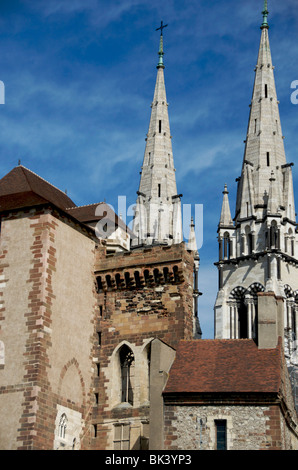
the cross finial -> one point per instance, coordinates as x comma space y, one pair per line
160, 52
162, 26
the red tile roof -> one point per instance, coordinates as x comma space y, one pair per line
22, 188
220, 366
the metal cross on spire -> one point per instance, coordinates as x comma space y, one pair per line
162, 26
160, 52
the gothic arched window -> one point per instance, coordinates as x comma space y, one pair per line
62, 426
227, 246
127, 363
249, 240
238, 314
273, 235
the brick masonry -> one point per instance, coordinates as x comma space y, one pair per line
264, 420
58, 363
135, 308
45, 370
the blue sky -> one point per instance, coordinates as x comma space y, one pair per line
79, 79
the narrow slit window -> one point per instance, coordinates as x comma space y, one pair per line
160, 127
221, 434
99, 338
255, 126
268, 159
159, 190
266, 91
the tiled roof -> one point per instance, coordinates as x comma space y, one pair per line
95, 212
221, 366
23, 188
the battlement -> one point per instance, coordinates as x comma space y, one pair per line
150, 266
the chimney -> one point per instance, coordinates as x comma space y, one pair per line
270, 319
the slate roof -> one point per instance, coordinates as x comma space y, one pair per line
22, 188
224, 366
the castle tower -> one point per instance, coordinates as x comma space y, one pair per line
258, 250
157, 217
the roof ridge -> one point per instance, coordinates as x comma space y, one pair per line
38, 176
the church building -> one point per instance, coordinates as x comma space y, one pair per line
123, 366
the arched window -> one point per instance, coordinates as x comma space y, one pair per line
127, 363
147, 277
99, 284
62, 426
137, 279
238, 313
242, 319
290, 323
109, 282
156, 275
176, 274
227, 246
291, 241
249, 240
118, 281
273, 235
253, 291
166, 274
127, 279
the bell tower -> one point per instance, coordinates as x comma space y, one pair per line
258, 249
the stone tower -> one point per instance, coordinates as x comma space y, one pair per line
157, 217
258, 249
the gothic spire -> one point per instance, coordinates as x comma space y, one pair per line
192, 242
158, 210
225, 216
264, 150
259, 254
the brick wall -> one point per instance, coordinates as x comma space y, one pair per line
133, 309
48, 325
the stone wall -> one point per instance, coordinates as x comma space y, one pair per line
248, 427
134, 309
47, 324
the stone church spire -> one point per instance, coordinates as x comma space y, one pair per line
158, 209
225, 216
259, 253
264, 150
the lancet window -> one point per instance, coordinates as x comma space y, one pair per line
244, 311
127, 365
273, 236
290, 242
62, 426
291, 313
